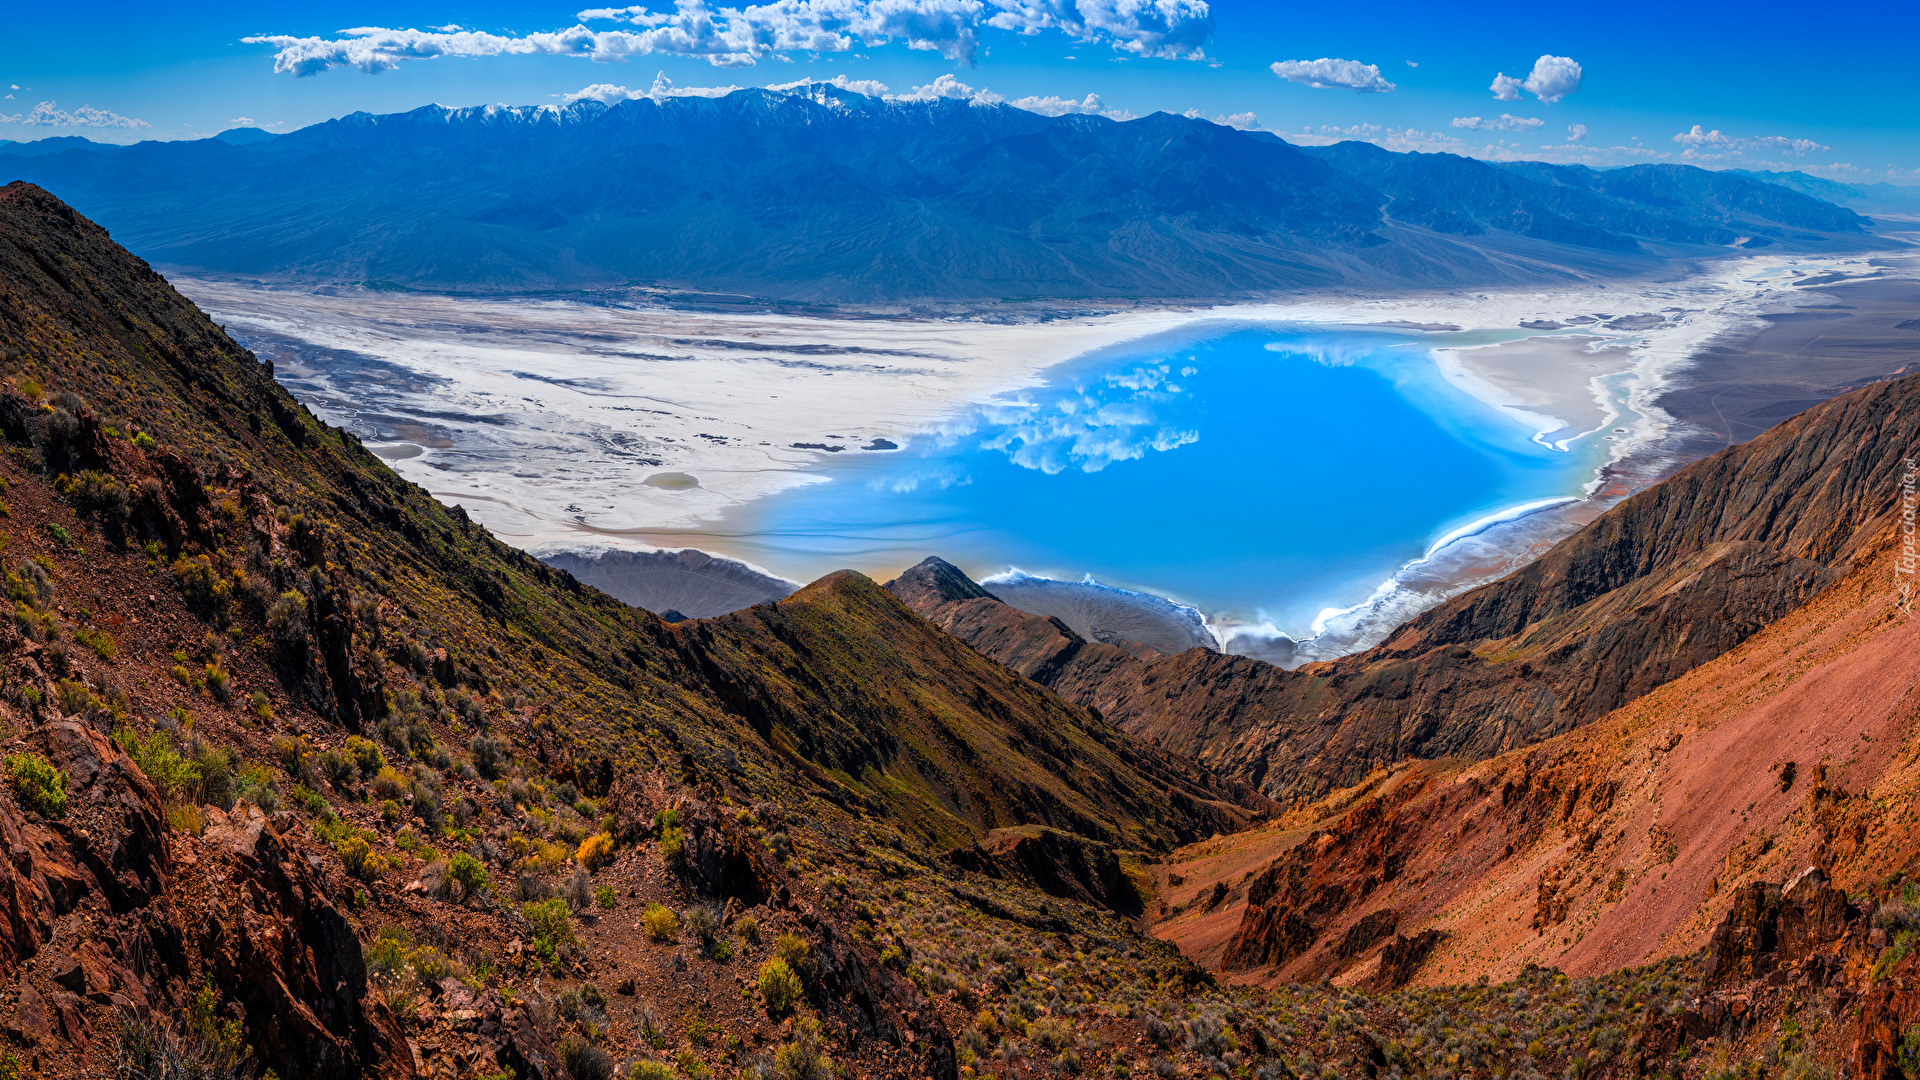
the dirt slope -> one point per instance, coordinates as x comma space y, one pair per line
1616, 844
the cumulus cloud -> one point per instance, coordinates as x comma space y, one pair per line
1434, 142
1503, 122
1059, 106
1714, 143
45, 115
1327, 73
948, 87
662, 88
1576, 132
1413, 63
1172, 29
869, 87
247, 120
1245, 121
734, 37
1553, 78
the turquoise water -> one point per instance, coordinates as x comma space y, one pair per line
1257, 473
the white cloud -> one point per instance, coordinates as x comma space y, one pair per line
1503, 122
1714, 144
1553, 78
662, 88
734, 37
1576, 132
45, 115
869, 87
1327, 73
247, 120
1413, 63
1434, 142
1245, 121
946, 86
1170, 29
1059, 106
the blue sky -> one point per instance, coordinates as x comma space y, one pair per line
1831, 90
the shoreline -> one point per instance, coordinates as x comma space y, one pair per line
882, 382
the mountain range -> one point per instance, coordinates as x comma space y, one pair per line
823, 194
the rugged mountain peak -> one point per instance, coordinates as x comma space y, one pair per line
934, 581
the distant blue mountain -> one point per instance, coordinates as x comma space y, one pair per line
828, 195
1877, 197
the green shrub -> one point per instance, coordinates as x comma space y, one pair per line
650, 1070
357, 856
662, 923
175, 776
779, 986
37, 784
605, 897
469, 872
552, 923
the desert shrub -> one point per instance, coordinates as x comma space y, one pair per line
585, 1060
199, 1045
357, 856
176, 777
388, 953
605, 897
579, 894
551, 923
98, 640
287, 620
1051, 1033
468, 872
366, 756
704, 921
388, 783
650, 1070
203, 584
596, 851
803, 1059
255, 784
792, 949
219, 682
662, 923
748, 928
426, 805
37, 784
100, 492
779, 987
1903, 943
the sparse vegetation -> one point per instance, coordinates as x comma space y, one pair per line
37, 784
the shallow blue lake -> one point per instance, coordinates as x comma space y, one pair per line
1255, 472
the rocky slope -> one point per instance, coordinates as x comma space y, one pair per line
1663, 583
1622, 842
330, 755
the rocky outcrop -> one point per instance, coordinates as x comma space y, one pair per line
1770, 929
1301, 894
1401, 959
108, 909
1055, 862
265, 929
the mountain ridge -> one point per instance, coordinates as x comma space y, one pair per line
827, 195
